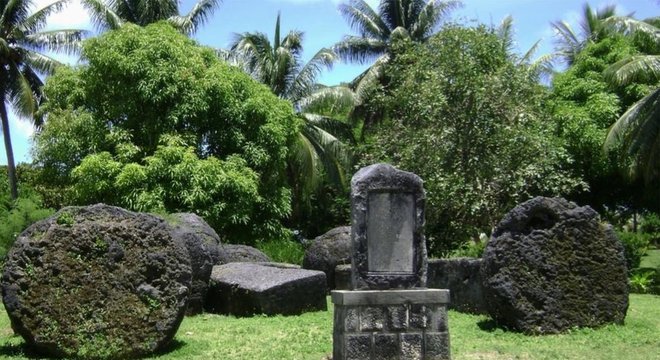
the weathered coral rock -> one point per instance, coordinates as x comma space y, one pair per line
329, 250
97, 282
551, 265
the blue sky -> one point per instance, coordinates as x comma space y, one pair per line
323, 26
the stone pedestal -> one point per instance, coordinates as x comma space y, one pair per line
391, 324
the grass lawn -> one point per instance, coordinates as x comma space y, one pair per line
472, 337
651, 259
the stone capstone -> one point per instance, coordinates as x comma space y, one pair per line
245, 289
461, 276
551, 265
97, 282
230, 253
202, 243
329, 250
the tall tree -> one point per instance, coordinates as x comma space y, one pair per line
638, 129
22, 43
318, 152
416, 20
111, 14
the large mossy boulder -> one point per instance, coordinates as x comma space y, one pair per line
97, 282
551, 265
202, 243
329, 250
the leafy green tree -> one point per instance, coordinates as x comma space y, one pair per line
587, 100
23, 42
414, 20
468, 120
318, 154
112, 14
173, 179
140, 85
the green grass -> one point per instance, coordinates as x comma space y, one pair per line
309, 336
651, 259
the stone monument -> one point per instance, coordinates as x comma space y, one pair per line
389, 313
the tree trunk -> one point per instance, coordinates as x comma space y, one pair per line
11, 166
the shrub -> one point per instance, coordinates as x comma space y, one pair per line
16, 217
635, 246
651, 225
284, 251
641, 282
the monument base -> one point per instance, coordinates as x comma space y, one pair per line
391, 324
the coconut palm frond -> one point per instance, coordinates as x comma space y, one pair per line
40, 62
305, 79
37, 20
506, 34
634, 68
333, 127
430, 15
335, 97
20, 92
365, 20
59, 41
102, 15
637, 131
360, 50
198, 16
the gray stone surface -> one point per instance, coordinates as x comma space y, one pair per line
202, 244
551, 265
342, 276
97, 281
328, 251
387, 229
230, 253
462, 277
244, 289
391, 297
409, 329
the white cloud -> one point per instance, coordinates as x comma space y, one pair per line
73, 16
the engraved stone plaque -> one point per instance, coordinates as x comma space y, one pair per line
390, 226
387, 229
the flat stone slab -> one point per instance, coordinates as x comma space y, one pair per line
245, 289
390, 297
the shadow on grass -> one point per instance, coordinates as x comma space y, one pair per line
24, 351
488, 325
174, 345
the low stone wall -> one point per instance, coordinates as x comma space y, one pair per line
461, 276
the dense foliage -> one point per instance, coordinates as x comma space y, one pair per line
155, 122
17, 215
470, 123
584, 106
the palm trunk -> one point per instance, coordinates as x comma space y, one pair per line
11, 166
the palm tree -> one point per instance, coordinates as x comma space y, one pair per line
638, 129
570, 43
111, 14
22, 43
279, 65
541, 67
415, 20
